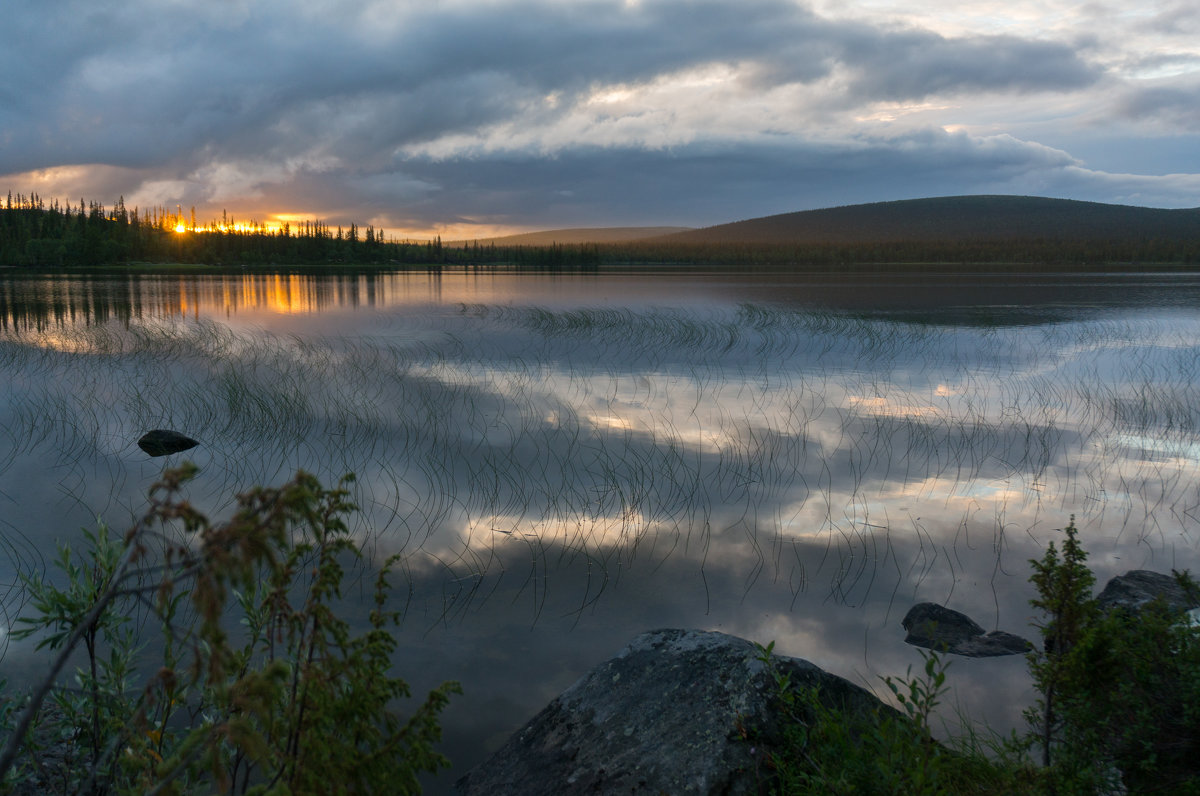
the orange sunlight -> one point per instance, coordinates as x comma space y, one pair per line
294, 221
238, 226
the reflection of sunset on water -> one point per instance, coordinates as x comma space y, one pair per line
67, 300
549, 450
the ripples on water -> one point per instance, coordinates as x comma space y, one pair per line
565, 462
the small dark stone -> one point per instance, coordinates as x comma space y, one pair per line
162, 442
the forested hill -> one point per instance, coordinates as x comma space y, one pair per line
952, 231
957, 219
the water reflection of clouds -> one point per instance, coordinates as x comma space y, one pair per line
992, 442
533, 624
762, 470
730, 424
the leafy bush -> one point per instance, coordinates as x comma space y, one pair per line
292, 701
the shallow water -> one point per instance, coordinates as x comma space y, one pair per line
568, 459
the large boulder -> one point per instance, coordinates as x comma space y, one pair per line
937, 627
676, 711
1139, 587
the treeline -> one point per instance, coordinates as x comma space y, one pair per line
1053, 252
36, 234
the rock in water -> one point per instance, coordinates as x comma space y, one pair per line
161, 442
1137, 588
931, 625
992, 644
936, 627
676, 711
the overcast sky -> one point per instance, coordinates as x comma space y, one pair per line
469, 117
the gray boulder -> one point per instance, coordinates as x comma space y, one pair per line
676, 711
162, 442
937, 627
1136, 588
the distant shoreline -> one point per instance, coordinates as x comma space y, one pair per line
649, 267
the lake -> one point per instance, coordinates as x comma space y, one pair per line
567, 459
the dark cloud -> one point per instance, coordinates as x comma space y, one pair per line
114, 86
267, 107
699, 183
688, 185
1176, 102
916, 65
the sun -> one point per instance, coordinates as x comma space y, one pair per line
180, 228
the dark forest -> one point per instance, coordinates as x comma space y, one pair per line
40, 235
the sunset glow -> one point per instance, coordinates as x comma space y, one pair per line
270, 227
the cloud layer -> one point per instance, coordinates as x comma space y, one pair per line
468, 116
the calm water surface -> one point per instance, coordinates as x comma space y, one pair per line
567, 460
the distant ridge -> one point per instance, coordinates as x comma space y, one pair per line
576, 235
956, 219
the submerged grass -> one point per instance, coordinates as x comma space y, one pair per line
624, 434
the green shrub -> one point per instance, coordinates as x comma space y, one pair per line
1119, 692
294, 700
1064, 595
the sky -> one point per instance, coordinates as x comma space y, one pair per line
468, 118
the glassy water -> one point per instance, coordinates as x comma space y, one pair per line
566, 460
